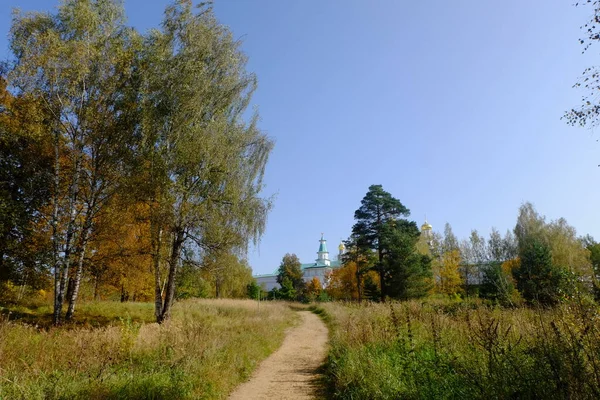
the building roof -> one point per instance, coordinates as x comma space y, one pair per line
333, 264
323, 245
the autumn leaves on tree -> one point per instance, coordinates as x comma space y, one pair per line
147, 159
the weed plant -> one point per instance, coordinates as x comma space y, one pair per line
452, 350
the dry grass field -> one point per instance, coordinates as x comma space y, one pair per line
207, 348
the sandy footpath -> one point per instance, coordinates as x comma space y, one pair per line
291, 371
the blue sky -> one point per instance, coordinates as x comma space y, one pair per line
454, 107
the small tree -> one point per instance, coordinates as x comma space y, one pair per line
538, 279
409, 272
253, 290
313, 289
449, 277
372, 228
290, 277
498, 282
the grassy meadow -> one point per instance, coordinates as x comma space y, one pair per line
207, 348
453, 350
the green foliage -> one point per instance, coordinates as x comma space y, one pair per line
594, 249
379, 230
190, 283
204, 161
287, 290
25, 174
158, 121
497, 284
290, 277
371, 289
538, 279
323, 296
410, 272
253, 290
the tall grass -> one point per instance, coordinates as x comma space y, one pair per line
207, 348
442, 350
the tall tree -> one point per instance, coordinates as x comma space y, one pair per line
449, 279
290, 270
530, 224
359, 260
81, 62
373, 228
473, 252
450, 242
204, 162
538, 279
409, 271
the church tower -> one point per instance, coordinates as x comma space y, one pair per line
426, 231
341, 250
323, 254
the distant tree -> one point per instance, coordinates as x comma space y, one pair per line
190, 283
495, 250
450, 242
530, 225
409, 271
498, 282
594, 248
510, 249
313, 289
225, 273
538, 280
360, 261
290, 277
569, 259
567, 249
119, 252
253, 290
473, 252
371, 287
344, 283
449, 279
373, 228
287, 290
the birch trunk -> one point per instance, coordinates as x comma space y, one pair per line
178, 239
158, 301
79, 273
55, 239
68, 242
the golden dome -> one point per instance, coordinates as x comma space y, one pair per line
341, 247
426, 226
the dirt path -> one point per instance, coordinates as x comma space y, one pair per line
290, 372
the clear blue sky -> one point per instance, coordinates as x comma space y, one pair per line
454, 107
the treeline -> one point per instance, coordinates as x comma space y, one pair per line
541, 262
129, 165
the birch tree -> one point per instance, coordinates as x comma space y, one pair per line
204, 160
81, 63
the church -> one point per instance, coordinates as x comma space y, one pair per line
320, 268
